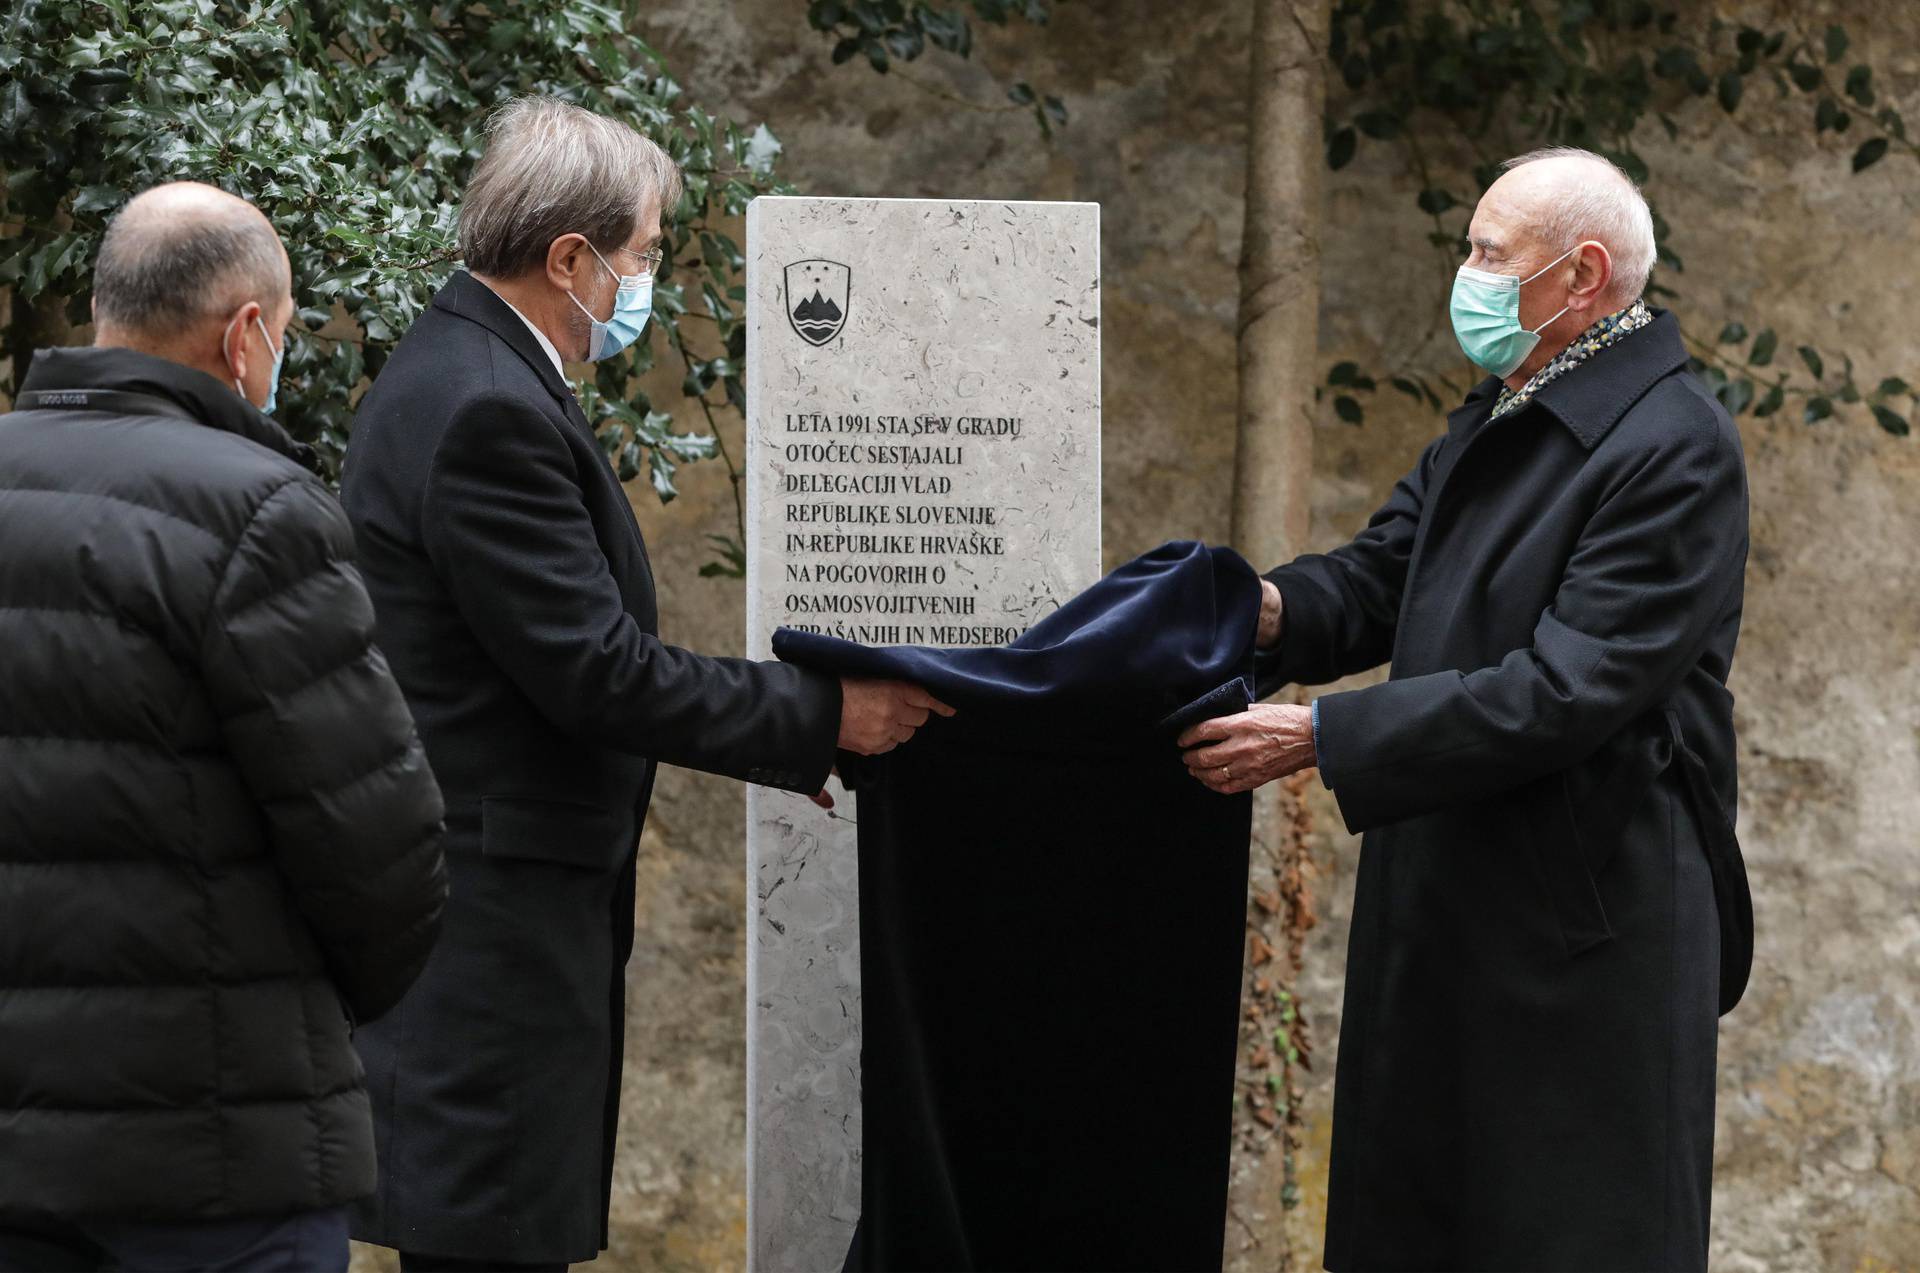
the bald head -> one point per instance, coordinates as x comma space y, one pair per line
1550, 201
182, 253
1576, 233
191, 274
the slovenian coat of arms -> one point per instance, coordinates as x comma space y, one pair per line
817, 296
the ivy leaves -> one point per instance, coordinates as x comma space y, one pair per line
1348, 383
353, 125
1738, 376
884, 32
1797, 61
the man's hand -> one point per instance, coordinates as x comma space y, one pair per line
1251, 748
1268, 630
877, 716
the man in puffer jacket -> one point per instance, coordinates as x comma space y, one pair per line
219, 836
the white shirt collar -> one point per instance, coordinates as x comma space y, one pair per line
538, 335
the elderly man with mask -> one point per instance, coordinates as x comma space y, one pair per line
1550, 910
516, 601
219, 838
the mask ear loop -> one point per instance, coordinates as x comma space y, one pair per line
1537, 273
616, 284
237, 388
1542, 270
1550, 322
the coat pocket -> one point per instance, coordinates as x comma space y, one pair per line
1549, 833
1575, 822
559, 831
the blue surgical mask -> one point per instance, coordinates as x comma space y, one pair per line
1486, 317
632, 306
273, 377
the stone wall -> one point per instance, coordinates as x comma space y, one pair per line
1818, 1147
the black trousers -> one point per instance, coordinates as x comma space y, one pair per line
305, 1242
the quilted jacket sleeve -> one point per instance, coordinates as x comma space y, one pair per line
325, 743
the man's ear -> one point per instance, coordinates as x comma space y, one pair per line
564, 260
1592, 275
233, 337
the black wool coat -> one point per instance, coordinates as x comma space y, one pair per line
1052, 914
218, 831
516, 603
1549, 911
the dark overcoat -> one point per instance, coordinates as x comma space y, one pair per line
516, 604
1549, 911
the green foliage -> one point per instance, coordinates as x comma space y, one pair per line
888, 31
1738, 378
353, 125
1507, 76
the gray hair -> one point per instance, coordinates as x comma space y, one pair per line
182, 253
1608, 208
550, 169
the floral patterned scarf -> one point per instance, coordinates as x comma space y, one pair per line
1585, 346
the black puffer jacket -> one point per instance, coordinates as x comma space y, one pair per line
218, 833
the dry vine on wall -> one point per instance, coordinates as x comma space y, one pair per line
1276, 1038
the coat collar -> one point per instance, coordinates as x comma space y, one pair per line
1590, 399
130, 371
1475, 408
473, 300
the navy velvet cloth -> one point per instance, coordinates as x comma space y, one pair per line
1051, 916
1158, 635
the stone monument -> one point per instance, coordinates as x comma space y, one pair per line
923, 468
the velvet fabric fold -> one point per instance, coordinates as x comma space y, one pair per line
1051, 915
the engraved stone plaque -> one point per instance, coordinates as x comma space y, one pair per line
923, 468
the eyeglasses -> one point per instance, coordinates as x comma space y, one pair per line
650, 259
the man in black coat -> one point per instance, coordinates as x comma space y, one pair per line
1550, 910
218, 831
515, 599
